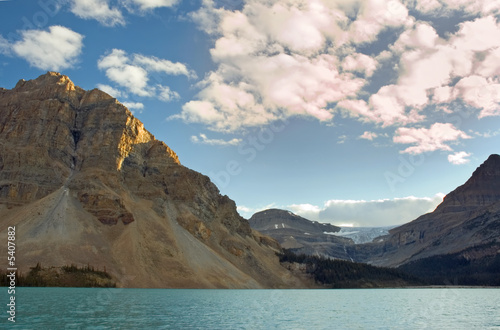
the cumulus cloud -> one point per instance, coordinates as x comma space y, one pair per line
145, 5
202, 138
374, 213
166, 94
428, 139
110, 90
360, 63
98, 10
55, 49
275, 61
4, 46
133, 106
155, 64
132, 72
368, 136
459, 158
374, 16
480, 93
446, 7
108, 15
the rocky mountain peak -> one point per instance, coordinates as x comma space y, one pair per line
84, 182
482, 189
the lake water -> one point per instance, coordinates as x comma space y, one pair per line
87, 308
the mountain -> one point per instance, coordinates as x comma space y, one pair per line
464, 229
83, 182
300, 234
457, 243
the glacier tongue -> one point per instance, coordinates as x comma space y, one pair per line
362, 235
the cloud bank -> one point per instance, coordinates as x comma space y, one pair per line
374, 213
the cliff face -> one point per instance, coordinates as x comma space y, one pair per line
468, 217
84, 182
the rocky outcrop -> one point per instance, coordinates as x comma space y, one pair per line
84, 182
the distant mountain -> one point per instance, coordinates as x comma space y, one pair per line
274, 219
464, 228
300, 234
83, 182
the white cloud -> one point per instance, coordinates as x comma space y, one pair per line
98, 10
308, 211
445, 7
5, 47
459, 158
479, 35
145, 5
373, 213
132, 73
360, 63
202, 138
132, 106
490, 67
342, 139
481, 93
488, 134
166, 94
369, 136
375, 16
161, 65
55, 49
247, 212
110, 90
132, 77
430, 139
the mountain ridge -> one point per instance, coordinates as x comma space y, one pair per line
300, 234
468, 216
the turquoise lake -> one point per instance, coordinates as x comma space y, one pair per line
88, 308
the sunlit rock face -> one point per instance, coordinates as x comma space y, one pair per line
85, 183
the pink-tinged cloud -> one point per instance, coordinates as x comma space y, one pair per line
459, 158
481, 93
428, 139
289, 58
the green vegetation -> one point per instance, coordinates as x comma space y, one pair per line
459, 268
66, 276
336, 273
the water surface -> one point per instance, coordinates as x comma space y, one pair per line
89, 308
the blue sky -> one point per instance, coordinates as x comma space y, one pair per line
349, 112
